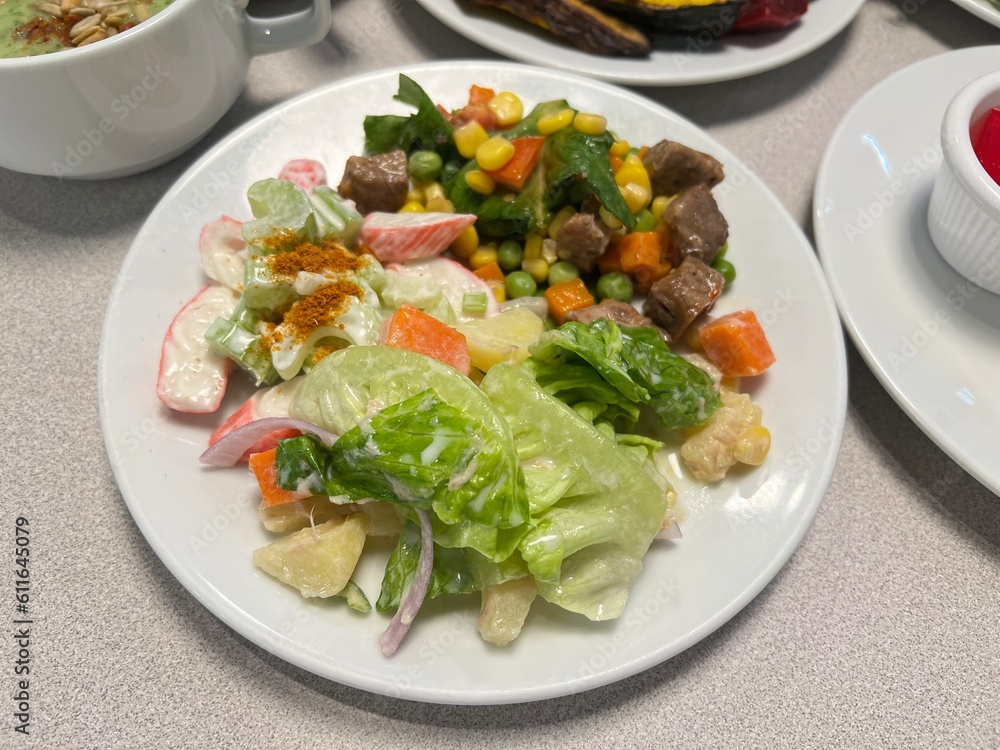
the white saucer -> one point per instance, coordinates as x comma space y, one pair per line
931, 337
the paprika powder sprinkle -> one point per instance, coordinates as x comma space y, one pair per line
320, 309
328, 257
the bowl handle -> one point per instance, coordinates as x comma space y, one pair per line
266, 35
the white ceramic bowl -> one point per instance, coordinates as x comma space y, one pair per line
964, 213
137, 99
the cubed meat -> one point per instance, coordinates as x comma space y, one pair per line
674, 167
682, 295
376, 183
695, 225
621, 313
581, 240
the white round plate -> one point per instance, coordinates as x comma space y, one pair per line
674, 61
203, 523
931, 337
982, 8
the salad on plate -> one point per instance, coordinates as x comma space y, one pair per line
489, 343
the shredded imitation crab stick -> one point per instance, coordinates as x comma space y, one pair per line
192, 377
223, 252
397, 237
306, 173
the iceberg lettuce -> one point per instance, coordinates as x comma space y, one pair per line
594, 508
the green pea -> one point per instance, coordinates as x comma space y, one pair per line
520, 284
425, 166
722, 252
727, 269
509, 255
644, 221
562, 272
616, 286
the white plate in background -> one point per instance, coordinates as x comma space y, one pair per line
982, 8
674, 61
203, 523
931, 337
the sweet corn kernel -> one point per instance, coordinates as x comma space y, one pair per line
442, 205
507, 108
536, 268
412, 207
753, 446
416, 195
466, 243
636, 196
590, 124
549, 251
609, 218
483, 256
433, 190
499, 290
659, 205
479, 181
494, 152
555, 122
559, 219
469, 137
533, 247
632, 170
620, 149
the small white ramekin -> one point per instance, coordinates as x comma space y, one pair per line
964, 213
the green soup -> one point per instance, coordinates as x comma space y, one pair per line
34, 27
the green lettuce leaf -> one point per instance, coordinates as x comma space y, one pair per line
427, 129
588, 534
634, 362
420, 452
680, 393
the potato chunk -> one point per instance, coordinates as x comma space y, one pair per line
505, 607
317, 561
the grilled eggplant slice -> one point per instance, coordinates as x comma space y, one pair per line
579, 23
676, 16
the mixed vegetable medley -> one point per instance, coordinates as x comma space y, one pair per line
449, 353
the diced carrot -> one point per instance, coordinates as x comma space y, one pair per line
737, 345
480, 95
642, 152
477, 109
640, 259
264, 470
415, 330
611, 261
566, 297
616, 163
515, 173
446, 113
490, 272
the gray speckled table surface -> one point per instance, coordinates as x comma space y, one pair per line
881, 630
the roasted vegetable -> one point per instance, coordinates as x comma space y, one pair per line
579, 23
676, 16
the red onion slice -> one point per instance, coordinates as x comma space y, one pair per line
408, 608
671, 531
229, 449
